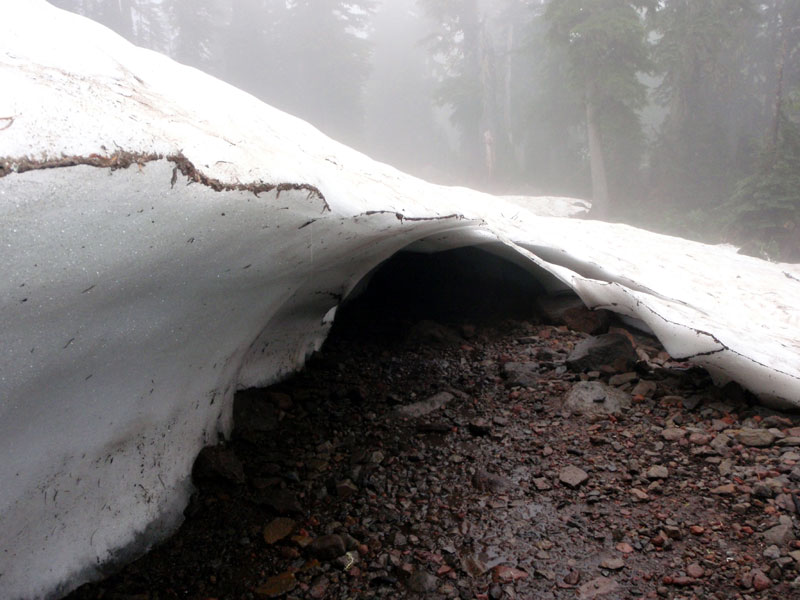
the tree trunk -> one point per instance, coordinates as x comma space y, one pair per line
508, 123
597, 163
778, 101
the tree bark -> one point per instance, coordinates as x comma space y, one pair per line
597, 163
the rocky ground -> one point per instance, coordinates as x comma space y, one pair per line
488, 458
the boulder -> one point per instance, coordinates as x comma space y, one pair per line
608, 352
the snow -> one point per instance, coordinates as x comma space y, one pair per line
133, 306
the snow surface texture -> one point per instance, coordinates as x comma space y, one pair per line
144, 280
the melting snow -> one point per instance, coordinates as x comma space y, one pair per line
146, 283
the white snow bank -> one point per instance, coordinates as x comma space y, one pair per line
140, 289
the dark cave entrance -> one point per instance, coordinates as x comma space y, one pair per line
451, 287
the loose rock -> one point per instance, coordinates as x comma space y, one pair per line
572, 476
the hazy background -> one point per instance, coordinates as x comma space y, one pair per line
680, 116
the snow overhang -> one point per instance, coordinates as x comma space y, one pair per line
168, 239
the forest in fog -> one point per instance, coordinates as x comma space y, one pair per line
680, 116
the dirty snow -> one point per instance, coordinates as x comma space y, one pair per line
136, 300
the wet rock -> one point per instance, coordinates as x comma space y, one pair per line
612, 564
319, 588
422, 582
695, 570
523, 374
572, 578
580, 318
217, 462
622, 379
277, 529
762, 490
553, 307
610, 351
781, 534
346, 488
398, 540
599, 587
473, 566
720, 443
644, 388
490, 482
479, 427
758, 438
657, 472
727, 489
595, 398
572, 476
787, 503
282, 501
327, 547
672, 434
760, 581
277, 586
424, 407
506, 574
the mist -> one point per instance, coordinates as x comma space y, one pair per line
678, 117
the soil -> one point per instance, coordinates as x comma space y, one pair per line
408, 459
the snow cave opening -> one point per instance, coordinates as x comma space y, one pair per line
450, 287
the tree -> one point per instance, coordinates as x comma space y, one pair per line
472, 46
401, 123
765, 208
709, 92
454, 46
605, 47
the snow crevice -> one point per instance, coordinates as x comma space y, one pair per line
124, 160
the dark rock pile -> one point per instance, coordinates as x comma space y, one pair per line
508, 459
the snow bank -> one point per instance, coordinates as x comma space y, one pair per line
167, 239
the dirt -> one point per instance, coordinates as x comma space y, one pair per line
125, 160
490, 490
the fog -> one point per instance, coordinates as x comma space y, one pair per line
673, 116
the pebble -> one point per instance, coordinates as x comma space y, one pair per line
673, 433
277, 529
760, 581
572, 476
657, 472
422, 582
727, 489
599, 587
782, 533
277, 586
327, 547
612, 564
757, 438
424, 407
695, 570
443, 505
